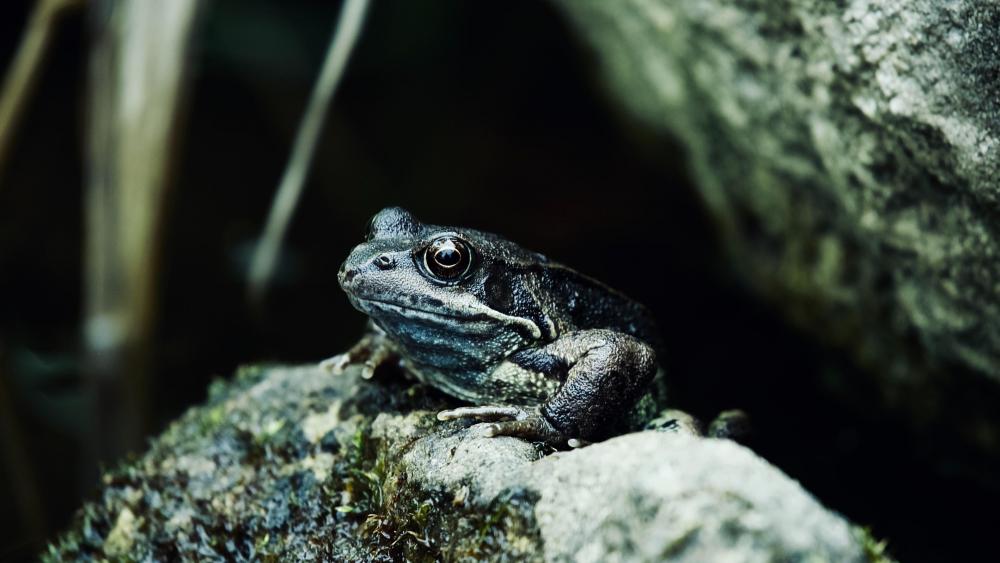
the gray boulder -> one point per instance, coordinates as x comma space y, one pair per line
296, 464
849, 153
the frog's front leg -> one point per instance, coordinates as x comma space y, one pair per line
371, 351
604, 374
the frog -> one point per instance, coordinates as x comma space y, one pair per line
538, 350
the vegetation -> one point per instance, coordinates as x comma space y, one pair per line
240, 480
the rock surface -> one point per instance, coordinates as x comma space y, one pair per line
849, 152
296, 464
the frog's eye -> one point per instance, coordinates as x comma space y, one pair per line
448, 258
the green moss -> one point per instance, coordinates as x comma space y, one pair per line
84, 540
876, 551
235, 479
396, 523
249, 375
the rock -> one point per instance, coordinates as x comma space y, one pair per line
297, 464
849, 153
686, 498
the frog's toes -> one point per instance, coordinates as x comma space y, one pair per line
517, 422
488, 413
368, 369
371, 349
336, 364
376, 357
673, 420
533, 428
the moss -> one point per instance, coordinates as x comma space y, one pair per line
84, 540
876, 551
249, 375
238, 479
397, 523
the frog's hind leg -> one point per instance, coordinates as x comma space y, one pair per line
604, 374
608, 373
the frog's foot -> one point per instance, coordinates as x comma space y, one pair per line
485, 414
528, 424
371, 350
732, 424
336, 364
673, 420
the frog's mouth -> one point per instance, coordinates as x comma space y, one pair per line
472, 322
369, 305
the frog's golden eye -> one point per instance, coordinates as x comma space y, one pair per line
448, 258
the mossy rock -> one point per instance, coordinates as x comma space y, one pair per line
297, 464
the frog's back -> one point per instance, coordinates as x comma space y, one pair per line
556, 298
579, 302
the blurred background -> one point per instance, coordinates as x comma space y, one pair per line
123, 271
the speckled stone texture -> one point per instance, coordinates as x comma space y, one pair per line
294, 464
850, 155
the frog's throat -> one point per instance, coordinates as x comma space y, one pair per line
366, 303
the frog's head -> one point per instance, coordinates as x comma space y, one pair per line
428, 285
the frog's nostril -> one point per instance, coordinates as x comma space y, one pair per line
384, 262
348, 275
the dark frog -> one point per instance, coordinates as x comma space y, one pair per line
545, 352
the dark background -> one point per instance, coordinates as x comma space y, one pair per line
489, 115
